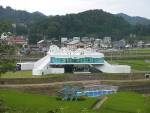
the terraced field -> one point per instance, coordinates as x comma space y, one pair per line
19, 102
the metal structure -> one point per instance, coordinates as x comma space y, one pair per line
71, 93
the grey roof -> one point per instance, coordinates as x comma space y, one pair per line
74, 42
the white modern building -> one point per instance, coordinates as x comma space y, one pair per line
64, 60
64, 39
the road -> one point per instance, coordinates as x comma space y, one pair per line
84, 82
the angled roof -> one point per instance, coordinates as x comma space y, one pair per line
65, 52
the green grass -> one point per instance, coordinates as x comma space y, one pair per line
18, 74
117, 103
126, 103
28, 74
136, 65
29, 103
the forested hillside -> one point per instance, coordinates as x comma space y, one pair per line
95, 23
134, 20
92, 23
19, 16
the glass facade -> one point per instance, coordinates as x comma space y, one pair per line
75, 60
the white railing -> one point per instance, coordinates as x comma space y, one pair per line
42, 62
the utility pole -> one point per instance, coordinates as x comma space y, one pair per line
111, 56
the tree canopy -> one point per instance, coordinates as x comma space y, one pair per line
7, 63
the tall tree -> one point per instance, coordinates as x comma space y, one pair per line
7, 63
5, 27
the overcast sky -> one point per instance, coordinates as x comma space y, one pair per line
61, 7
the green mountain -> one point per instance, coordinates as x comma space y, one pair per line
95, 23
19, 16
92, 23
134, 20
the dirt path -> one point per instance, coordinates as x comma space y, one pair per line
84, 82
100, 103
50, 84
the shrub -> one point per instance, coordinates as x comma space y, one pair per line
3, 107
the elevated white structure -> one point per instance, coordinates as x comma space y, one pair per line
108, 68
61, 60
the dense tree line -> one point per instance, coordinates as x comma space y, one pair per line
5, 27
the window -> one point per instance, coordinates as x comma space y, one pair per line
77, 60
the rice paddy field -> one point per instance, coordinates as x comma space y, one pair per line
18, 74
130, 52
28, 74
136, 65
141, 51
19, 102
